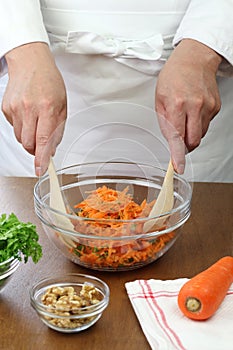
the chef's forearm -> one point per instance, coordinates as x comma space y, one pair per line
194, 52
21, 22
209, 22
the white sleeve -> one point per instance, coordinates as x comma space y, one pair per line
21, 22
211, 23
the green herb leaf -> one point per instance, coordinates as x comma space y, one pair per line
18, 239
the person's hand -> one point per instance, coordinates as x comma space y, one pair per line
35, 101
187, 97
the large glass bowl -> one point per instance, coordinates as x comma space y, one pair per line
106, 244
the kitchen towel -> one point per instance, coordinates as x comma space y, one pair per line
166, 328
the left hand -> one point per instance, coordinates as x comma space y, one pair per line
35, 101
187, 97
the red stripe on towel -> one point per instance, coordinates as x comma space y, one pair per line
172, 336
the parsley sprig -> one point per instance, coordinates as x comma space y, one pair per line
18, 239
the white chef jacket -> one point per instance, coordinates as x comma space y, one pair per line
110, 53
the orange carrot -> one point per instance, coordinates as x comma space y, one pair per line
201, 296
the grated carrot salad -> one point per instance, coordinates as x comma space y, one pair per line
107, 203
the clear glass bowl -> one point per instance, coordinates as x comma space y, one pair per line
7, 268
92, 243
56, 301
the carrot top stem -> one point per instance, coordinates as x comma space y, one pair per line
193, 304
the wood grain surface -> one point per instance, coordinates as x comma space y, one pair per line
207, 236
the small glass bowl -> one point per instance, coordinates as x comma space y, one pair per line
57, 301
7, 268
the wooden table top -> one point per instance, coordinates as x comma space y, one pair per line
206, 236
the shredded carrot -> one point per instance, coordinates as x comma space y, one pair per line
106, 203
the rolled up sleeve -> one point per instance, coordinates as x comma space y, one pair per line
21, 22
210, 22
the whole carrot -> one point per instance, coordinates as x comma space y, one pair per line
200, 297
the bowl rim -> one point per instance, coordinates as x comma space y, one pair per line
90, 310
14, 264
7, 261
45, 177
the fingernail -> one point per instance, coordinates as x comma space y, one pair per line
180, 169
40, 171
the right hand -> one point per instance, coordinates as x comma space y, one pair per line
35, 101
187, 97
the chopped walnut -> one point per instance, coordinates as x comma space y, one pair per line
64, 301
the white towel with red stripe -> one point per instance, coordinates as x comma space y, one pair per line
166, 328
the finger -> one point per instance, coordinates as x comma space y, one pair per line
17, 126
47, 140
209, 114
175, 140
28, 134
6, 111
197, 124
23, 121
17, 130
14, 121
193, 132
178, 151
